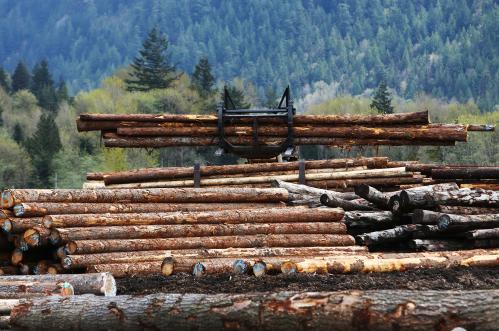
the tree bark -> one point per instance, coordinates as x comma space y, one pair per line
130, 245
390, 235
195, 230
17, 225
32, 209
372, 195
379, 182
465, 197
20, 288
96, 283
236, 216
483, 234
433, 245
467, 222
85, 260
369, 218
463, 210
16, 196
310, 191
421, 216
349, 310
153, 174
335, 202
466, 173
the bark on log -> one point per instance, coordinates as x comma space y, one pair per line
96, 283
40, 287
481, 127
379, 182
368, 218
372, 195
16, 196
481, 185
130, 245
195, 230
421, 216
17, 225
310, 191
432, 245
389, 119
237, 216
349, 310
463, 210
31, 209
465, 197
483, 234
390, 235
421, 197
85, 260
467, 222
153, 174
466, 173
335, 202
36, 236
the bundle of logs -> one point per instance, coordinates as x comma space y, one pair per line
436, 217
170, 130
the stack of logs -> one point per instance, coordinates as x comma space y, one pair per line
427, 218
170, 130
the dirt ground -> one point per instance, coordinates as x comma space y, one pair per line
445, 279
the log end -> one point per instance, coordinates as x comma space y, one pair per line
66, 289
198, 270
395, 205
32, 237
54, 237
24, 269
71, 248
167, 266
7, 200
240, 267
6, 225
19, 210
108, 285
289, 267
61, 253
67, 262
443, 222
324, 199
16, 257
259, 269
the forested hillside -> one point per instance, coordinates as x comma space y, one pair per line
445, 48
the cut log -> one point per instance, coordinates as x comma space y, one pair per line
421, 197
465, 197
463, 210
195, 230
335, 202
278, 215
36, 236
467, 222
350, 310
378, 182
31, 209
433, 245
310, 191
40, 287
421, 216
390, 235
154, 174
85, 260
369, 218
19, 225
372, 195
466, 173
16, 196
483, 234
96, 283
130, 245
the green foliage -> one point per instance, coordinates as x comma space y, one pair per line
271, 98
202, 78
15, 166
20, 108
42, 148
18, 134
21, 78
382, 100
237, 97
152, 68
4, 80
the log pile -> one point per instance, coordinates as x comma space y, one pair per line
171, 130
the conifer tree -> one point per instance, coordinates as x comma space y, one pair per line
43, 147
43, 86
202, 78
270, 98
18, 134
237, 97
21, 78
382, 100
152, 68
62, 90
4, 83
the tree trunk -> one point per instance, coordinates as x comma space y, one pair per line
421, 216
195, 230
467, 222
483, 234
466, 173
237, 216
334, 202
85, 260
463, 210
17, 225
130, 245
450, 244
372, 195
153, 174
31, 209
97, 283
16, 196
390, 235
310, 191
23, 288
349, 310
369, 218
36, 236
465, 197
379, 182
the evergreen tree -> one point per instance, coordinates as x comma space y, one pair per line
62, 91
202, 78
18, 134
270, 98
382, 101
21, 78
4, 83
43, 86
237, 97
43, 147
1, 117
152, 68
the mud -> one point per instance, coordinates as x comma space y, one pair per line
445, 279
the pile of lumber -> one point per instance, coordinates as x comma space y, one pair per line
436, 217
171, 130
335, 174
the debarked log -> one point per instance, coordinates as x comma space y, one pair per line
130, 245
350, 310
25, 288
31, 209
16, 196
237, 216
